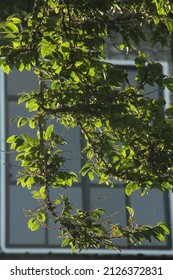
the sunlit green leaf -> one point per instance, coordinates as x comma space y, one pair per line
33, 224
41, 217
131, 187
21, 122
65, 242
49, 131
57, 201
130, 211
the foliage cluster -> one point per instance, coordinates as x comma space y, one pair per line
127, 135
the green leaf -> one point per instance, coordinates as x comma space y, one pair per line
12, 139
32, 105
45, 50
92, 72
158, 234
57, 201
49, 132
65, 47
16, 45
32, 123
35, 194
11, 27
72, 247
68, 182
73, 176
74, 77
91, 175
65, 242
103, 178
23, 97
160, 7
28, 139
42, 192
98, 123
16, 20
29, 182
131, 187
101, 211
33, 224
117, 230
22, 121
130, 211
85, 169
28, 66
21, 67
40, 15
22, 147
166, 185
6, 68
164, 227
41, 216
90, 154
122, 46
156, 19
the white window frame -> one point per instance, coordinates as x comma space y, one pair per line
2, 157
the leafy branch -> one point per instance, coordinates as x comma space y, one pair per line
127, 136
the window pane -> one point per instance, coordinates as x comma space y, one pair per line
18, 231
18, 82
149, 210
113, 201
